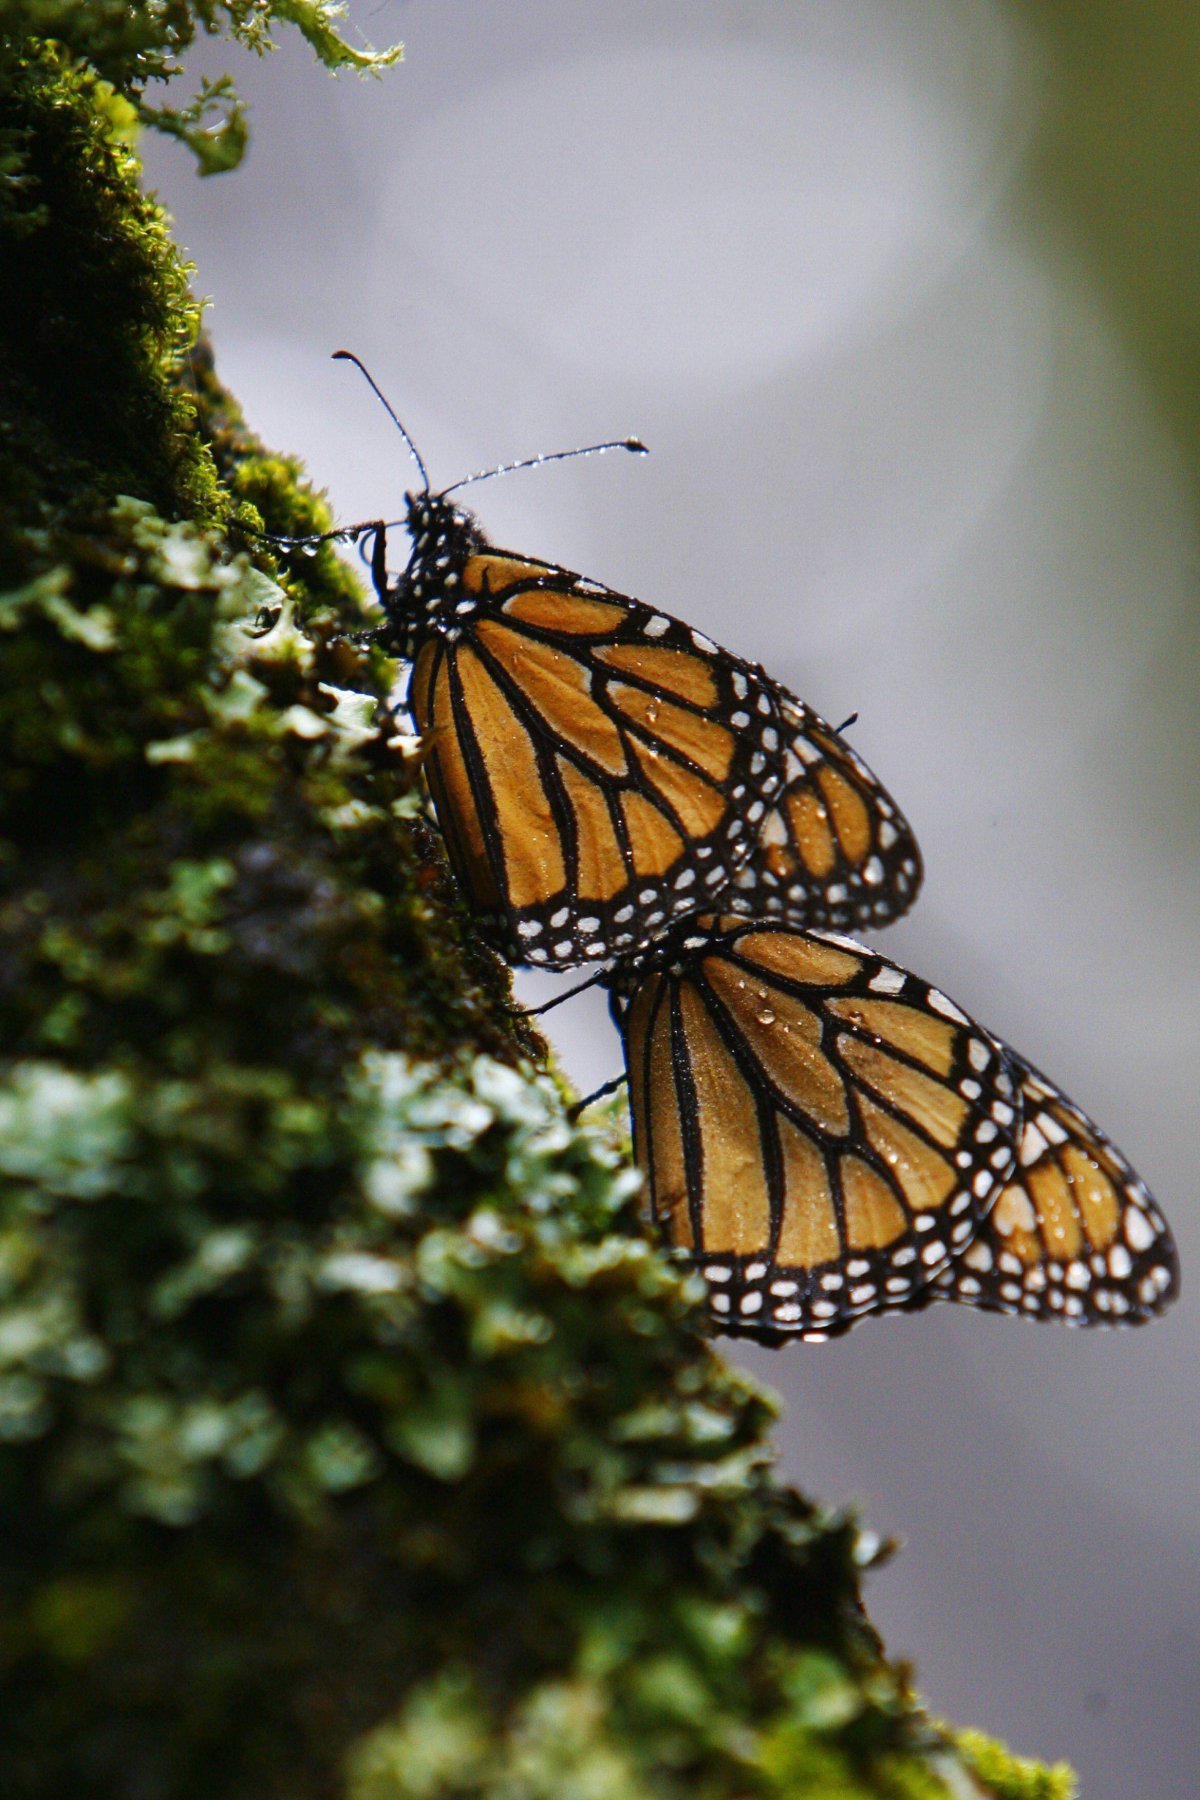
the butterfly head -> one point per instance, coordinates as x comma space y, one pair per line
429, 594
442, 533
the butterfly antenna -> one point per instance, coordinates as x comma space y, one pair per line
532, 462
349, 356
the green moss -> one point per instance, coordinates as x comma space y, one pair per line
133, 47
354, 1437
1012, 1777
208, 822
89, 411
104, 409
271, 493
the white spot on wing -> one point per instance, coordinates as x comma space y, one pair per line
946, 1007
1033, 1144
888, 981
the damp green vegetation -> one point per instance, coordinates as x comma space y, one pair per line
354, 1438
137, 52
1011, 1777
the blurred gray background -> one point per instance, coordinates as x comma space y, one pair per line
899, 294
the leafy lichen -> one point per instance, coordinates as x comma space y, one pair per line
354, 1438
210, 825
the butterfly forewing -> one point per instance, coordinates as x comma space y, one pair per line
835, 851
821, 1131
1074, 1234
599, 769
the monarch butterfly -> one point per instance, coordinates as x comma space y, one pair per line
600, 769
828, 1136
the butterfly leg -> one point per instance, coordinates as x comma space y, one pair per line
351, 534
378, 563
535, 1012
354, 534
610, 1087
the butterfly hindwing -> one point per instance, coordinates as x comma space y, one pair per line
1074, 1234
821, 1131
834, 852
599, 769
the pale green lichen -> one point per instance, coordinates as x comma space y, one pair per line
470, 1364
586, 1735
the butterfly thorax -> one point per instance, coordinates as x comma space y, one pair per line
429, 596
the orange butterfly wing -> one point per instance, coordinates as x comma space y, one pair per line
1074, 1234
835, 852
598, 768
821, 1132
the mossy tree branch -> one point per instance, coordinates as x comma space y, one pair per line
354, 1438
